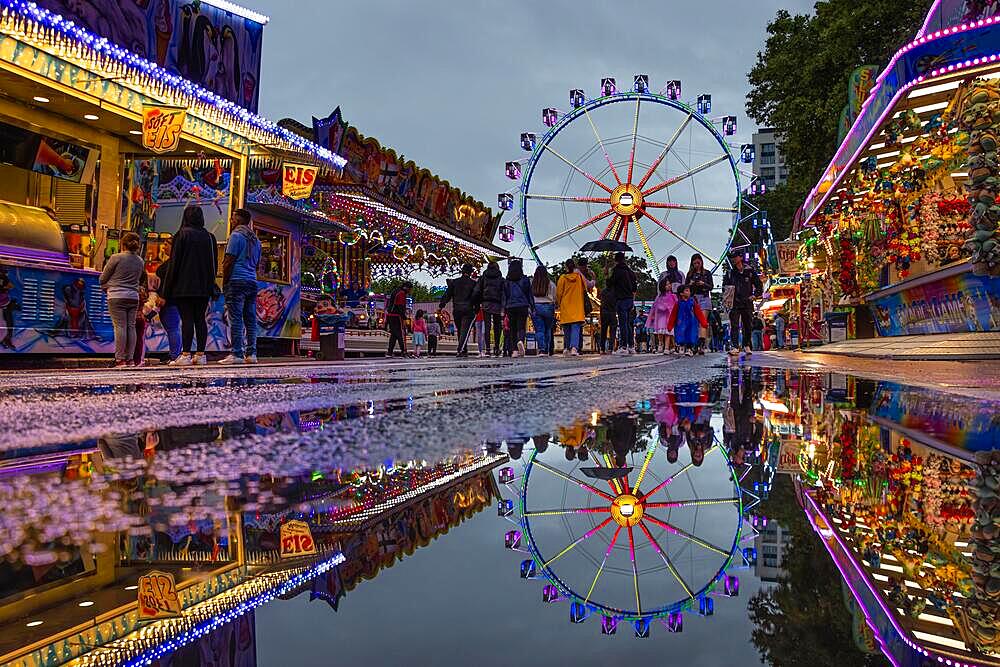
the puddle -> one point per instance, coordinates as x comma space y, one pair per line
723, 521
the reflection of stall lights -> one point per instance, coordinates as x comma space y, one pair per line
40, 99
773, 407
33, 624
594, 416
90, 116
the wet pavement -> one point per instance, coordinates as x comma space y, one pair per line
490, 512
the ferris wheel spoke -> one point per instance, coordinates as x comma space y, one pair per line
588, 200
677, 474
645, 246
570, 478
607, 554
666, 560
601, 144
613, 226
567, 232
611, 482
687, 174
666, 149
680, 532
691, 207
576, 168
695, 503
650, 450
635, 135
635, 570
590, 533
677, 236
578, 510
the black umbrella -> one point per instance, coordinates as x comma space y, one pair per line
605, 245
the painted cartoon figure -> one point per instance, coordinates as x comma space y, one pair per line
7, 306
75, 321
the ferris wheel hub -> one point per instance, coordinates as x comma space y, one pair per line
626, 509
626, 200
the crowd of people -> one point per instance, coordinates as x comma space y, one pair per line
180, 290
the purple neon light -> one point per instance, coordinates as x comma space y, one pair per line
864, 577
878, 84
927, 21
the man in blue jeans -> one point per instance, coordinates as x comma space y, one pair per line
239, 283
622, 283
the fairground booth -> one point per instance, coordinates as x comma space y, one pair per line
900, 234
379, 217
114, 117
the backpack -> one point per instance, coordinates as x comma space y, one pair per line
493, 290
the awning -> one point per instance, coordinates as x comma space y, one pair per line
772, 306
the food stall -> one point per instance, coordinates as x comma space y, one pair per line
905, 216
96, 141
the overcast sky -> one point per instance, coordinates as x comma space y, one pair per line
452, 84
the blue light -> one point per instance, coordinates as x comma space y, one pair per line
728, 124
528, 141
505, 201
640, 83
704, 105
576, 98
747, 153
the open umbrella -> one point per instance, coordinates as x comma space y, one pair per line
605, 245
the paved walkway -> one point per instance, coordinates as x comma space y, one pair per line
934, 347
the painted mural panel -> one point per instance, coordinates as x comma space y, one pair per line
960, 303
207, 45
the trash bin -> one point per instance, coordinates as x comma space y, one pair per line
332, 337
836, 326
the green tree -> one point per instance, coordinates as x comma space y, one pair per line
420, 292
799, 83
601, 265
802, 622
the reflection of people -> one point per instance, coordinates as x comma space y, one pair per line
7, 306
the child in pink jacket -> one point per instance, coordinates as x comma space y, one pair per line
659, 316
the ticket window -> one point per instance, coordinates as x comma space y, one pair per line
275, 255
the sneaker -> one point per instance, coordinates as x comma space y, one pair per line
520, 349
252, 359
748, 350
689, 353
515, 354
665, 353
631, 350
621, 351
566, 353
199, 359
574, 353
482, 355
183, 360
119, 364
231, 360
735, 352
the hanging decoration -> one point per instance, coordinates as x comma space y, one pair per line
980, 116
162, 127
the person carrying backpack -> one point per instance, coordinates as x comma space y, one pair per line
490, 295
519, 303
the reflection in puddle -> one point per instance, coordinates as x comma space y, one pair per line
790, 509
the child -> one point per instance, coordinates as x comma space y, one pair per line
658, 320
685, 320
419, 332
433, 332
147, 310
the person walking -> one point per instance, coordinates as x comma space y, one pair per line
686, 319
779, 330
673, 274
569, 300
122, 278
419, 332
239, 284
757, 333
190, 283
609, 320
490, 293
519, 300
461, 292
481, 340
658, 320
543, 290
433, 333
395, 314
700, 280
746, 285
623, 283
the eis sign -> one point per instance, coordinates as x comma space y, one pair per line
297, 180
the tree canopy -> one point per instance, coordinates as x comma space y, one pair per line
420, 292
799, 83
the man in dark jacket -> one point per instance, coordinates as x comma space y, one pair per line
461, 293
746, 287
623, 284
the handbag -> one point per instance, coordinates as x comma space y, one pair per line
728, 296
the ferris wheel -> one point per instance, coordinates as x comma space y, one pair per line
635, 166
639, 539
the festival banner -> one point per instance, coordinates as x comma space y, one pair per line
953, 304
297, 180
296, 540
162, 127
158, 596
788, 259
